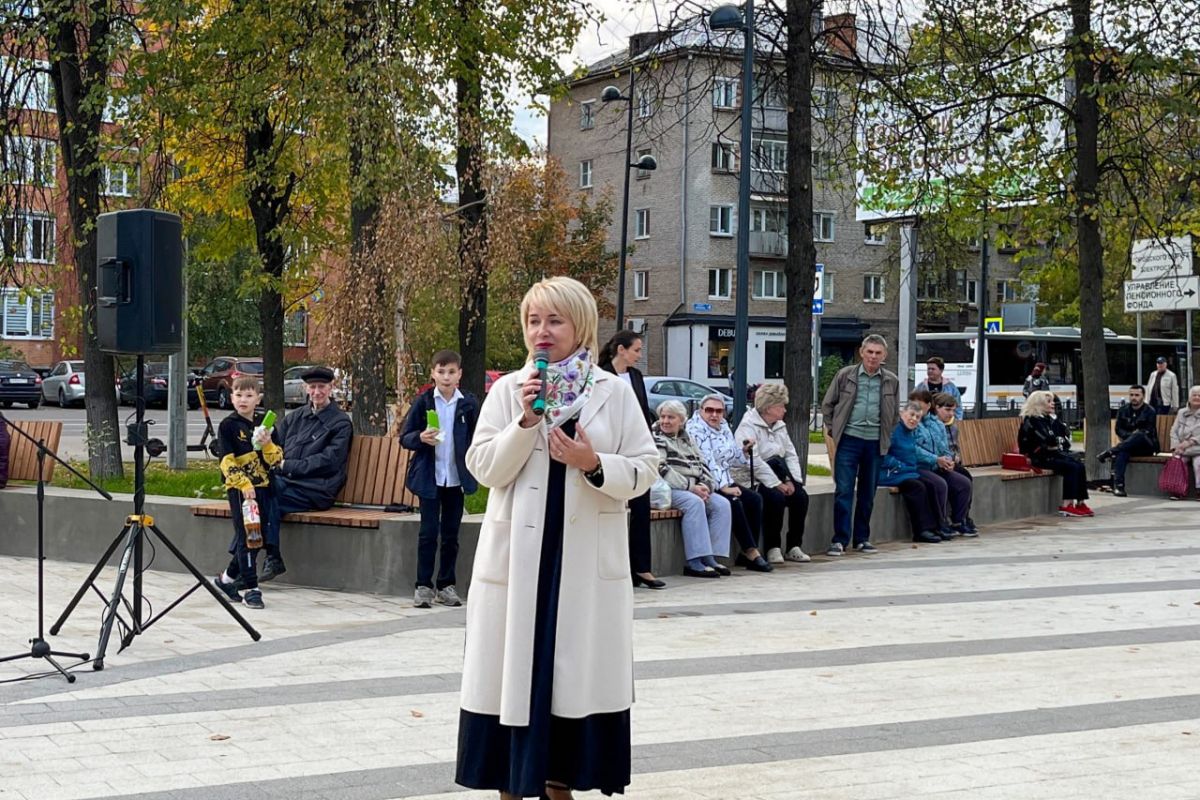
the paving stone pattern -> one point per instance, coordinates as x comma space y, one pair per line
1049, 658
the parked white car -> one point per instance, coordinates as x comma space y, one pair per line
65, 384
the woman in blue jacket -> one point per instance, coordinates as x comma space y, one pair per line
935, 462
899, 468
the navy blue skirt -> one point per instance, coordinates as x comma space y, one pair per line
586, 754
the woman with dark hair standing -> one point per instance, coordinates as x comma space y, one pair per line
618, 356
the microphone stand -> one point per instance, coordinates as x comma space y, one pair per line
40, 648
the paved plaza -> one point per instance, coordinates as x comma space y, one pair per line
1055, 659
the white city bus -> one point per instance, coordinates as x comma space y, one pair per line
1011, 355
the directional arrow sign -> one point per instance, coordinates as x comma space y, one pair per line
1157, 258
1167, 294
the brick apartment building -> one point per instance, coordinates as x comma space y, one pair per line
683, 216
39, 293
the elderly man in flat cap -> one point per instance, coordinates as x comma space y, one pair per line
316, 452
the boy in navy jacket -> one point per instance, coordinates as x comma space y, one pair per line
437, 473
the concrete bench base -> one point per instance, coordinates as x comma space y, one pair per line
79, 526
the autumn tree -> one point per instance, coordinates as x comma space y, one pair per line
486, 50
1055, 111
244, 102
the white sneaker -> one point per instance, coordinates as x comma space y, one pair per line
796, 554
423, 597
774, 556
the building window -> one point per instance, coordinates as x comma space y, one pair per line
770, 285
875, 233
725, 92
723, 157
770, 155
641, 227
27, 315
822, 226
585, 174
27, 84
827, 287
872, 288
773, 359
718, 284
295, 329
822, 165
29, 237
824, 103
929, 288
973, 243
645, 105
641, 284
587, 115
30, 161
768, 219
120, 180
642, 174
769, 92
720, 220
970, 294
1007, 291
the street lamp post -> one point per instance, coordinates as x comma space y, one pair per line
609, 95
728, 17
982, 291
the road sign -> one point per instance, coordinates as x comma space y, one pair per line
1160, 258
819, 291
993, 324
1166, 294
701, 306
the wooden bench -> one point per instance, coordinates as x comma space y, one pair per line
983, 442
1164, 423
375, 479
22, 453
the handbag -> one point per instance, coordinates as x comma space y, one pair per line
1173, 479
1018, 462
778, 465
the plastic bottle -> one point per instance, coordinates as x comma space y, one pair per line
252, 523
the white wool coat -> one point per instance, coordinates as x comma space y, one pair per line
593, 656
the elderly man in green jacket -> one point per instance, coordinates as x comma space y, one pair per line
859, 410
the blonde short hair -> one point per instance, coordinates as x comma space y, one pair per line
571, 299
1037, 404
673, 407
770, 394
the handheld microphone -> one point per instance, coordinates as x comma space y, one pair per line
541, 359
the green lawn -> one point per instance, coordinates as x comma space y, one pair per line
201, 480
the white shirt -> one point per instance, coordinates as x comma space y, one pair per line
625, 376
445, 469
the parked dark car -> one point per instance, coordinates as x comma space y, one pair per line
218, 376
688, 392
19, 384
156, 385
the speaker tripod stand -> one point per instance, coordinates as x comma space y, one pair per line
138, 526
39, 647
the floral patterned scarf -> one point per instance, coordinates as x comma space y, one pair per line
568, 387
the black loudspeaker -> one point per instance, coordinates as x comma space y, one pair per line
139, 282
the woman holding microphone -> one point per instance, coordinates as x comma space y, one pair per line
547, 678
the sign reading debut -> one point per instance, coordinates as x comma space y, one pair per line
1163, 279
819, 291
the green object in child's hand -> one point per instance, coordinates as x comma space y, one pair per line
268, 421
431, 420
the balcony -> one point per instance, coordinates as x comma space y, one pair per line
762, 182
765, 118
769, 244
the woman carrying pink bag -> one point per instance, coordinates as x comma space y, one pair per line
1185, 445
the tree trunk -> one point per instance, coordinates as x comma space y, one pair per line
80, 73
800, 266
269, 208
1087, 228
472, 221
370, 353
